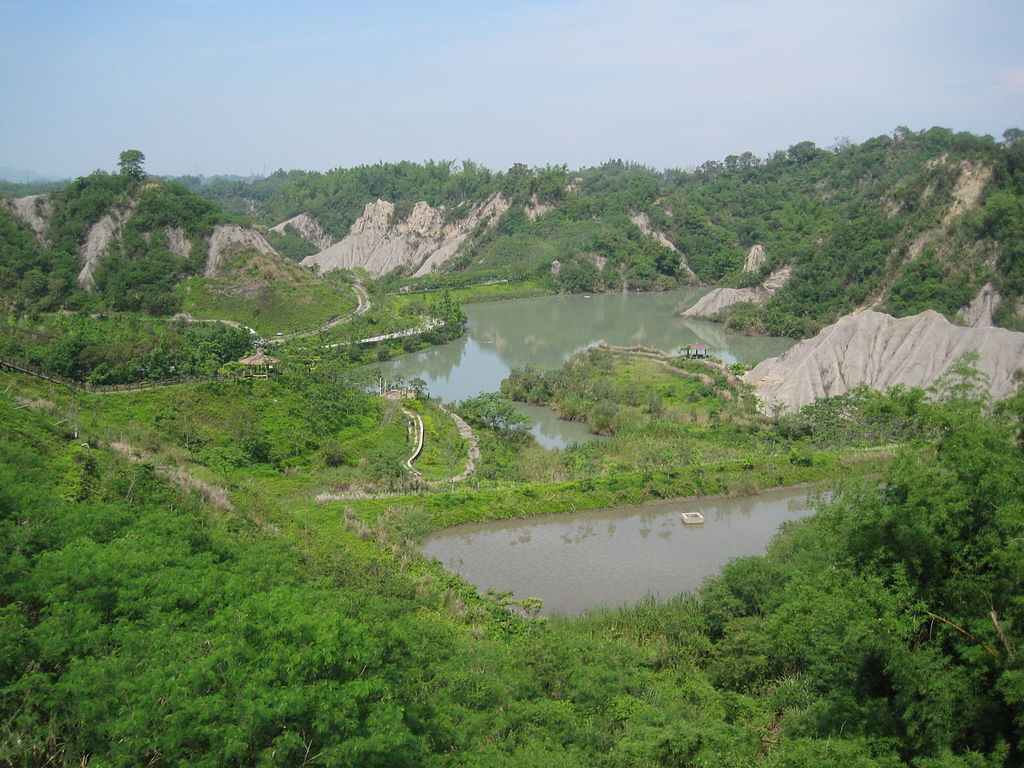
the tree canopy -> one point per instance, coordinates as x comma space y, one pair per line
130, 162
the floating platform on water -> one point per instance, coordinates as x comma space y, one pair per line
692, 518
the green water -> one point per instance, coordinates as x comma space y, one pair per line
614, 556
548, 330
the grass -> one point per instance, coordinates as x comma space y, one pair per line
444, 450
269, 309
421, 514
311, 447
522, 289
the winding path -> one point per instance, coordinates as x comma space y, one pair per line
362, 307
472, 453
417, 431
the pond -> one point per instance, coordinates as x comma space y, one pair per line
615, 556
547, 331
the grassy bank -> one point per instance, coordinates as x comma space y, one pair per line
418, 515
476, 294
270, 309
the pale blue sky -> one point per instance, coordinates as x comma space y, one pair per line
223, 86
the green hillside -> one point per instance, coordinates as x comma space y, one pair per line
139, 270
142, 624
225, 571
903, 222
909, 221
131, 244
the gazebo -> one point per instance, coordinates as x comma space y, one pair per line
261, 362
696, 350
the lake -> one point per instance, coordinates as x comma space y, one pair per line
548, 330
582, 560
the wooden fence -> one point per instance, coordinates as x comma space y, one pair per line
84, 386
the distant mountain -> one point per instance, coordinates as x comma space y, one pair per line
22, 175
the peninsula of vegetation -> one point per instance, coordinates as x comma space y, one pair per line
211, 500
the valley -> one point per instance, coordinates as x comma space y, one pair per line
234, 563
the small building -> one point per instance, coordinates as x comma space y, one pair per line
260, 364
693, 351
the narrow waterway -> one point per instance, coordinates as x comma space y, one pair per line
615, 556
547, 331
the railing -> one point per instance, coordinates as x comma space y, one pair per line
84, 386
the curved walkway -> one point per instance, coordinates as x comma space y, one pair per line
418, 432
363, 297
472, 453
362, 307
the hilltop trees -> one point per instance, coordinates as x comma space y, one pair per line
130, 162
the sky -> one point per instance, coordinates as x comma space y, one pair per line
231, 87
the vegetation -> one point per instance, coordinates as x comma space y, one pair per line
142, 624
858, 223
907, 221
121, 349
268, 296
148, 253
142, 269
224, 573
290, 243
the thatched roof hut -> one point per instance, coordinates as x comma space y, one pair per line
260, 360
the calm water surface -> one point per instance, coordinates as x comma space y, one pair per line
614, 556
547, 331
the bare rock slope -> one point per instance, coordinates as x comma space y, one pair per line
720, 298
308, 228
35, 210
229, 239
97, 242
422, 242
643, 223
978, 314
882, 351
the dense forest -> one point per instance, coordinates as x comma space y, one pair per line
143, 625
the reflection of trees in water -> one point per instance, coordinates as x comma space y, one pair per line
577, 533
445, 360
433, 365
546, 331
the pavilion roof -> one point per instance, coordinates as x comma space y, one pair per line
260, 358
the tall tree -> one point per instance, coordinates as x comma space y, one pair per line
130, 162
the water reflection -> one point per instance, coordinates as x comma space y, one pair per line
553, 432
614, 556
548, 330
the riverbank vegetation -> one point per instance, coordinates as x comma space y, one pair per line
679, 427
143, 623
